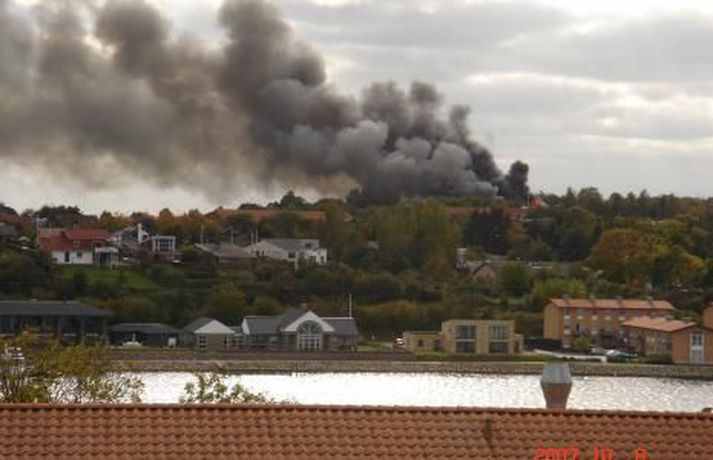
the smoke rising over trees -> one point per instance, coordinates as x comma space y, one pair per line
104, 92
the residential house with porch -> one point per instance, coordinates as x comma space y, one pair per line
132, 238
298, 329
78, 246
69, 322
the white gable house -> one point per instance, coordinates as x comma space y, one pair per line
296, 250
211, 334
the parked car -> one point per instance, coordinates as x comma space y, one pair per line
593, 350
619, 354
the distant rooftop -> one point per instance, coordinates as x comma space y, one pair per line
658, 324
613, 304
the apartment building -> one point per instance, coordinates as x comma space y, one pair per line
467, 336
600, 320
685, 342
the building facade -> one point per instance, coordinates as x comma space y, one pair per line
147, 335
685, 342
207, 334
422, 341
68, 322
467, 336
295, 250
300, 330
78, 246
599, 320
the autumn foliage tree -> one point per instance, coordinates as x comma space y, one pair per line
33, 370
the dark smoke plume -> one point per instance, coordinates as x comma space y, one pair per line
98, 92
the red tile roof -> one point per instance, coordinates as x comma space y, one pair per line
87, 234
309, 432
613, 304
658, 324
60, 239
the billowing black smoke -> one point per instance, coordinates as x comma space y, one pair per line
125, 95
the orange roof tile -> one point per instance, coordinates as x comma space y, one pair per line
87, 234
658, 324
613, 304
294, 431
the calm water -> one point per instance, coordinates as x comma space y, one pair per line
632, 393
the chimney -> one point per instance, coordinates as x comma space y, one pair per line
708, 316
556, 383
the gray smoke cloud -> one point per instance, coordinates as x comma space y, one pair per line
97, 91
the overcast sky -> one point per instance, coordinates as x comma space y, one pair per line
612, 94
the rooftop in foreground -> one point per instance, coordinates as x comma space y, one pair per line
294, 431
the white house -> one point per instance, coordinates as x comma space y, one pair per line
211, 334
78, 246
296, 250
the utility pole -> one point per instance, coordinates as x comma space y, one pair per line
350, 305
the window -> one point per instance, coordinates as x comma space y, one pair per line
291, 255
419, 343
465, 332
201, 342
309, 337
66, 257
226, 341
696, 339
580, 313
465, 347
76, 243
498, 332
498, 347
79, 255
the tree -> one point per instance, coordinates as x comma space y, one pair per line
436, 239
489, 231
514, 279
623, 255
210, 388
225, 304
36, 371
554, 288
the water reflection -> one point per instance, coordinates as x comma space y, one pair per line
630, 393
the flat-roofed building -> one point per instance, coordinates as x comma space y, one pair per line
70, 322
421, 341
566, 319
476, 336
147, 334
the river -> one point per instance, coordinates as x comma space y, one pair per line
473, 390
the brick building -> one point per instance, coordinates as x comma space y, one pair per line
599, 320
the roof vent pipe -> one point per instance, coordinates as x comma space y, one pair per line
556, 383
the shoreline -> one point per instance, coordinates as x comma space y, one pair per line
288, 366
